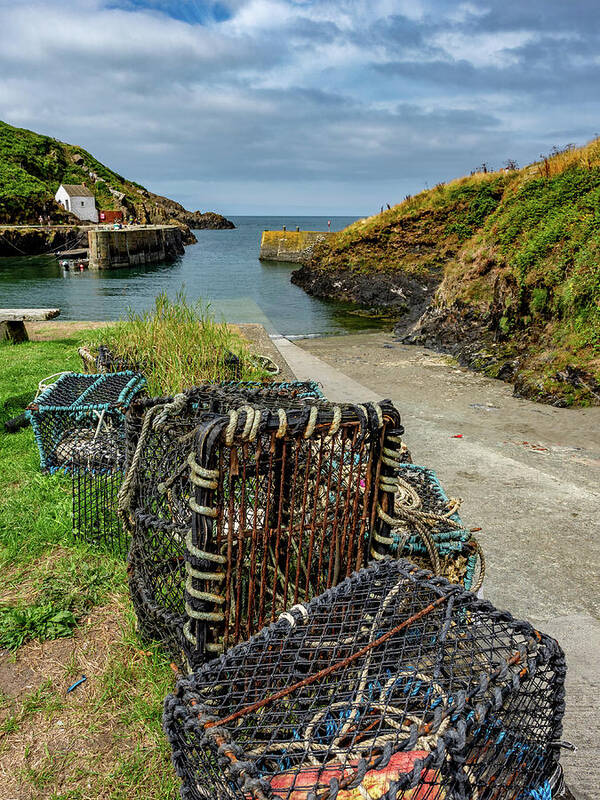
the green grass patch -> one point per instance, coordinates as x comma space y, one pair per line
40, 621
179, 344
32, 167
104, 740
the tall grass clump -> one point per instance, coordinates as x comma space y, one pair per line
179, 344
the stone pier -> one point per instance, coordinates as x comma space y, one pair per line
130, 246
293, 246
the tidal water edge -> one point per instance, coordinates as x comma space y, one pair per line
222, 269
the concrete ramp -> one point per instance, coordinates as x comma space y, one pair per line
528, 474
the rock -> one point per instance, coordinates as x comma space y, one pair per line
396, 295
208, 220
37, 241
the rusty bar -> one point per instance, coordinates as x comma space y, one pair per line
290, 521
314, 520
332, 668
307, 466
281, 489
257, 452
235, 475
265, 537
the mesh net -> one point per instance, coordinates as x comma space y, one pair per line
106, 361
97, 471
235, 517
78, 409
391, 685
98, 466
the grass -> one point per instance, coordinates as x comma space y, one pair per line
39, 621
104, 740
516, 251
179, 344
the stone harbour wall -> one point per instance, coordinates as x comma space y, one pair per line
127, 247
293, 246
40, 240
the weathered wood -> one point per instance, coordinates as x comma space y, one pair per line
27, 314
14, 331
12, 321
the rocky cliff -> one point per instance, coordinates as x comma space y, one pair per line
16, 242
500, 269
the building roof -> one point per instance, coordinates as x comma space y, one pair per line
75, 190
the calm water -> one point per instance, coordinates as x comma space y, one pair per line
223, 269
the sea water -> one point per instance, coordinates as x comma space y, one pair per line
223, 270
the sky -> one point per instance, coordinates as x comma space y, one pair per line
302, 106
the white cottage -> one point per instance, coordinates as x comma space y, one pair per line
79, 200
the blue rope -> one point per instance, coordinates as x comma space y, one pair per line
543, 792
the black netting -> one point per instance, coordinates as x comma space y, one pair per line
98, 464
235, 518
106, 361
76, 410
390, 686
97, 470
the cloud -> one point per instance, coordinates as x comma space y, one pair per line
253, 105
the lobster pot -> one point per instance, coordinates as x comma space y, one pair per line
389, 686
239, 515
440, 542
219, 397
105, 361
97, 473
98, 469
77, 409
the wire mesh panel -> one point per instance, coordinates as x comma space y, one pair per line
427, 529
76, 409
97, 472
390, 686
237, 516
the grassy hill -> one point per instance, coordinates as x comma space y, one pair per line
508, 269
33, 166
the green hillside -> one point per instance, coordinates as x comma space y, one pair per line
33, 166
513, 262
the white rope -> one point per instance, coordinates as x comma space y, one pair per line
282, 429
46, 382
230, 429
335, 423
312, 420
288, 616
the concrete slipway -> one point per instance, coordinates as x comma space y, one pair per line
528, 474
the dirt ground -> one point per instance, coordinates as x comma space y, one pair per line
58, 329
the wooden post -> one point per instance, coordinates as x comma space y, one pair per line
14, 331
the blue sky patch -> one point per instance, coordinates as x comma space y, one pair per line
194, 12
